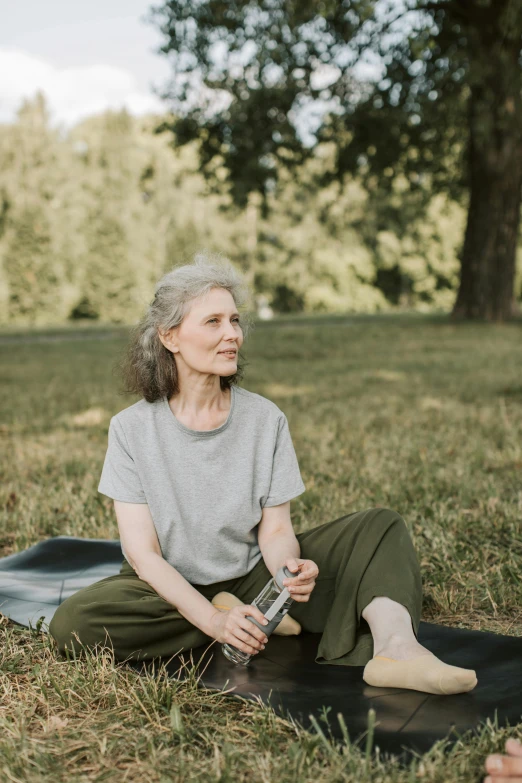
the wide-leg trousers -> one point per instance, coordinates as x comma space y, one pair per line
360, 556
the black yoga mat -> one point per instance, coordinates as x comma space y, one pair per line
34, 582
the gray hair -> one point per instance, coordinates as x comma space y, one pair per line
148, 367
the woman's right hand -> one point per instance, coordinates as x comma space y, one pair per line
233, 627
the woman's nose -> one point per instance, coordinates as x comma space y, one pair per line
230, 331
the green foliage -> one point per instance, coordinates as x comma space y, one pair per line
270, 59
110, 280
443, 116
90, 220
31, 267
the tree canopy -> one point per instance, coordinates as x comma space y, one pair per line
91, 218
445, 114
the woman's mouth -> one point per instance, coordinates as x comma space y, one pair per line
228, 354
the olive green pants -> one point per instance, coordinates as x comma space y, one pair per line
361, 555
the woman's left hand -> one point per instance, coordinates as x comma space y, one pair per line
301, 586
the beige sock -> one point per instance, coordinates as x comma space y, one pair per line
287, 627
423, 673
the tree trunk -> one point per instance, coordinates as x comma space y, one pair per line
495, 174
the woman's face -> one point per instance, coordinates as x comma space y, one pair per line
210, 327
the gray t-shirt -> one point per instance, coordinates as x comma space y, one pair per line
206, 490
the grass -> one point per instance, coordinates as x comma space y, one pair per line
412, 413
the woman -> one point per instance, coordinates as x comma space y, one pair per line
202, 472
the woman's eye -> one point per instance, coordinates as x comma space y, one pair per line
215, 319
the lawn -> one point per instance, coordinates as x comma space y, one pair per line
411, 412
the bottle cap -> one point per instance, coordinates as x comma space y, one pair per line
283, 573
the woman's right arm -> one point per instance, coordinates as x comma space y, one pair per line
140, 542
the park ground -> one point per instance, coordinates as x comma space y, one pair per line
411, 412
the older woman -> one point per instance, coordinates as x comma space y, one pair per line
202, 473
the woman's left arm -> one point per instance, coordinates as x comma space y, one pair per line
279, 547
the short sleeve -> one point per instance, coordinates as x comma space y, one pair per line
119, 478
286, 482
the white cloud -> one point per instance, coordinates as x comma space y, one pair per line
72, 93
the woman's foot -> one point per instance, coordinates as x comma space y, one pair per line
400, 649
403, 663
400, 661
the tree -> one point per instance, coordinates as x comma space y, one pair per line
109, 284
31, 268
446, 113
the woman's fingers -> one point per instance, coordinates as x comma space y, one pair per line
249, 641
504, 768
244, 630
300, 579
514, 747
301, 593
251, 633
502, 779
301, 589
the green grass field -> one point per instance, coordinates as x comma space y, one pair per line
409, 412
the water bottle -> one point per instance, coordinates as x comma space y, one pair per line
273, 601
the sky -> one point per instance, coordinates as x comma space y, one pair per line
84, 55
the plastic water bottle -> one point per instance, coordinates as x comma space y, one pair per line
273, 601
